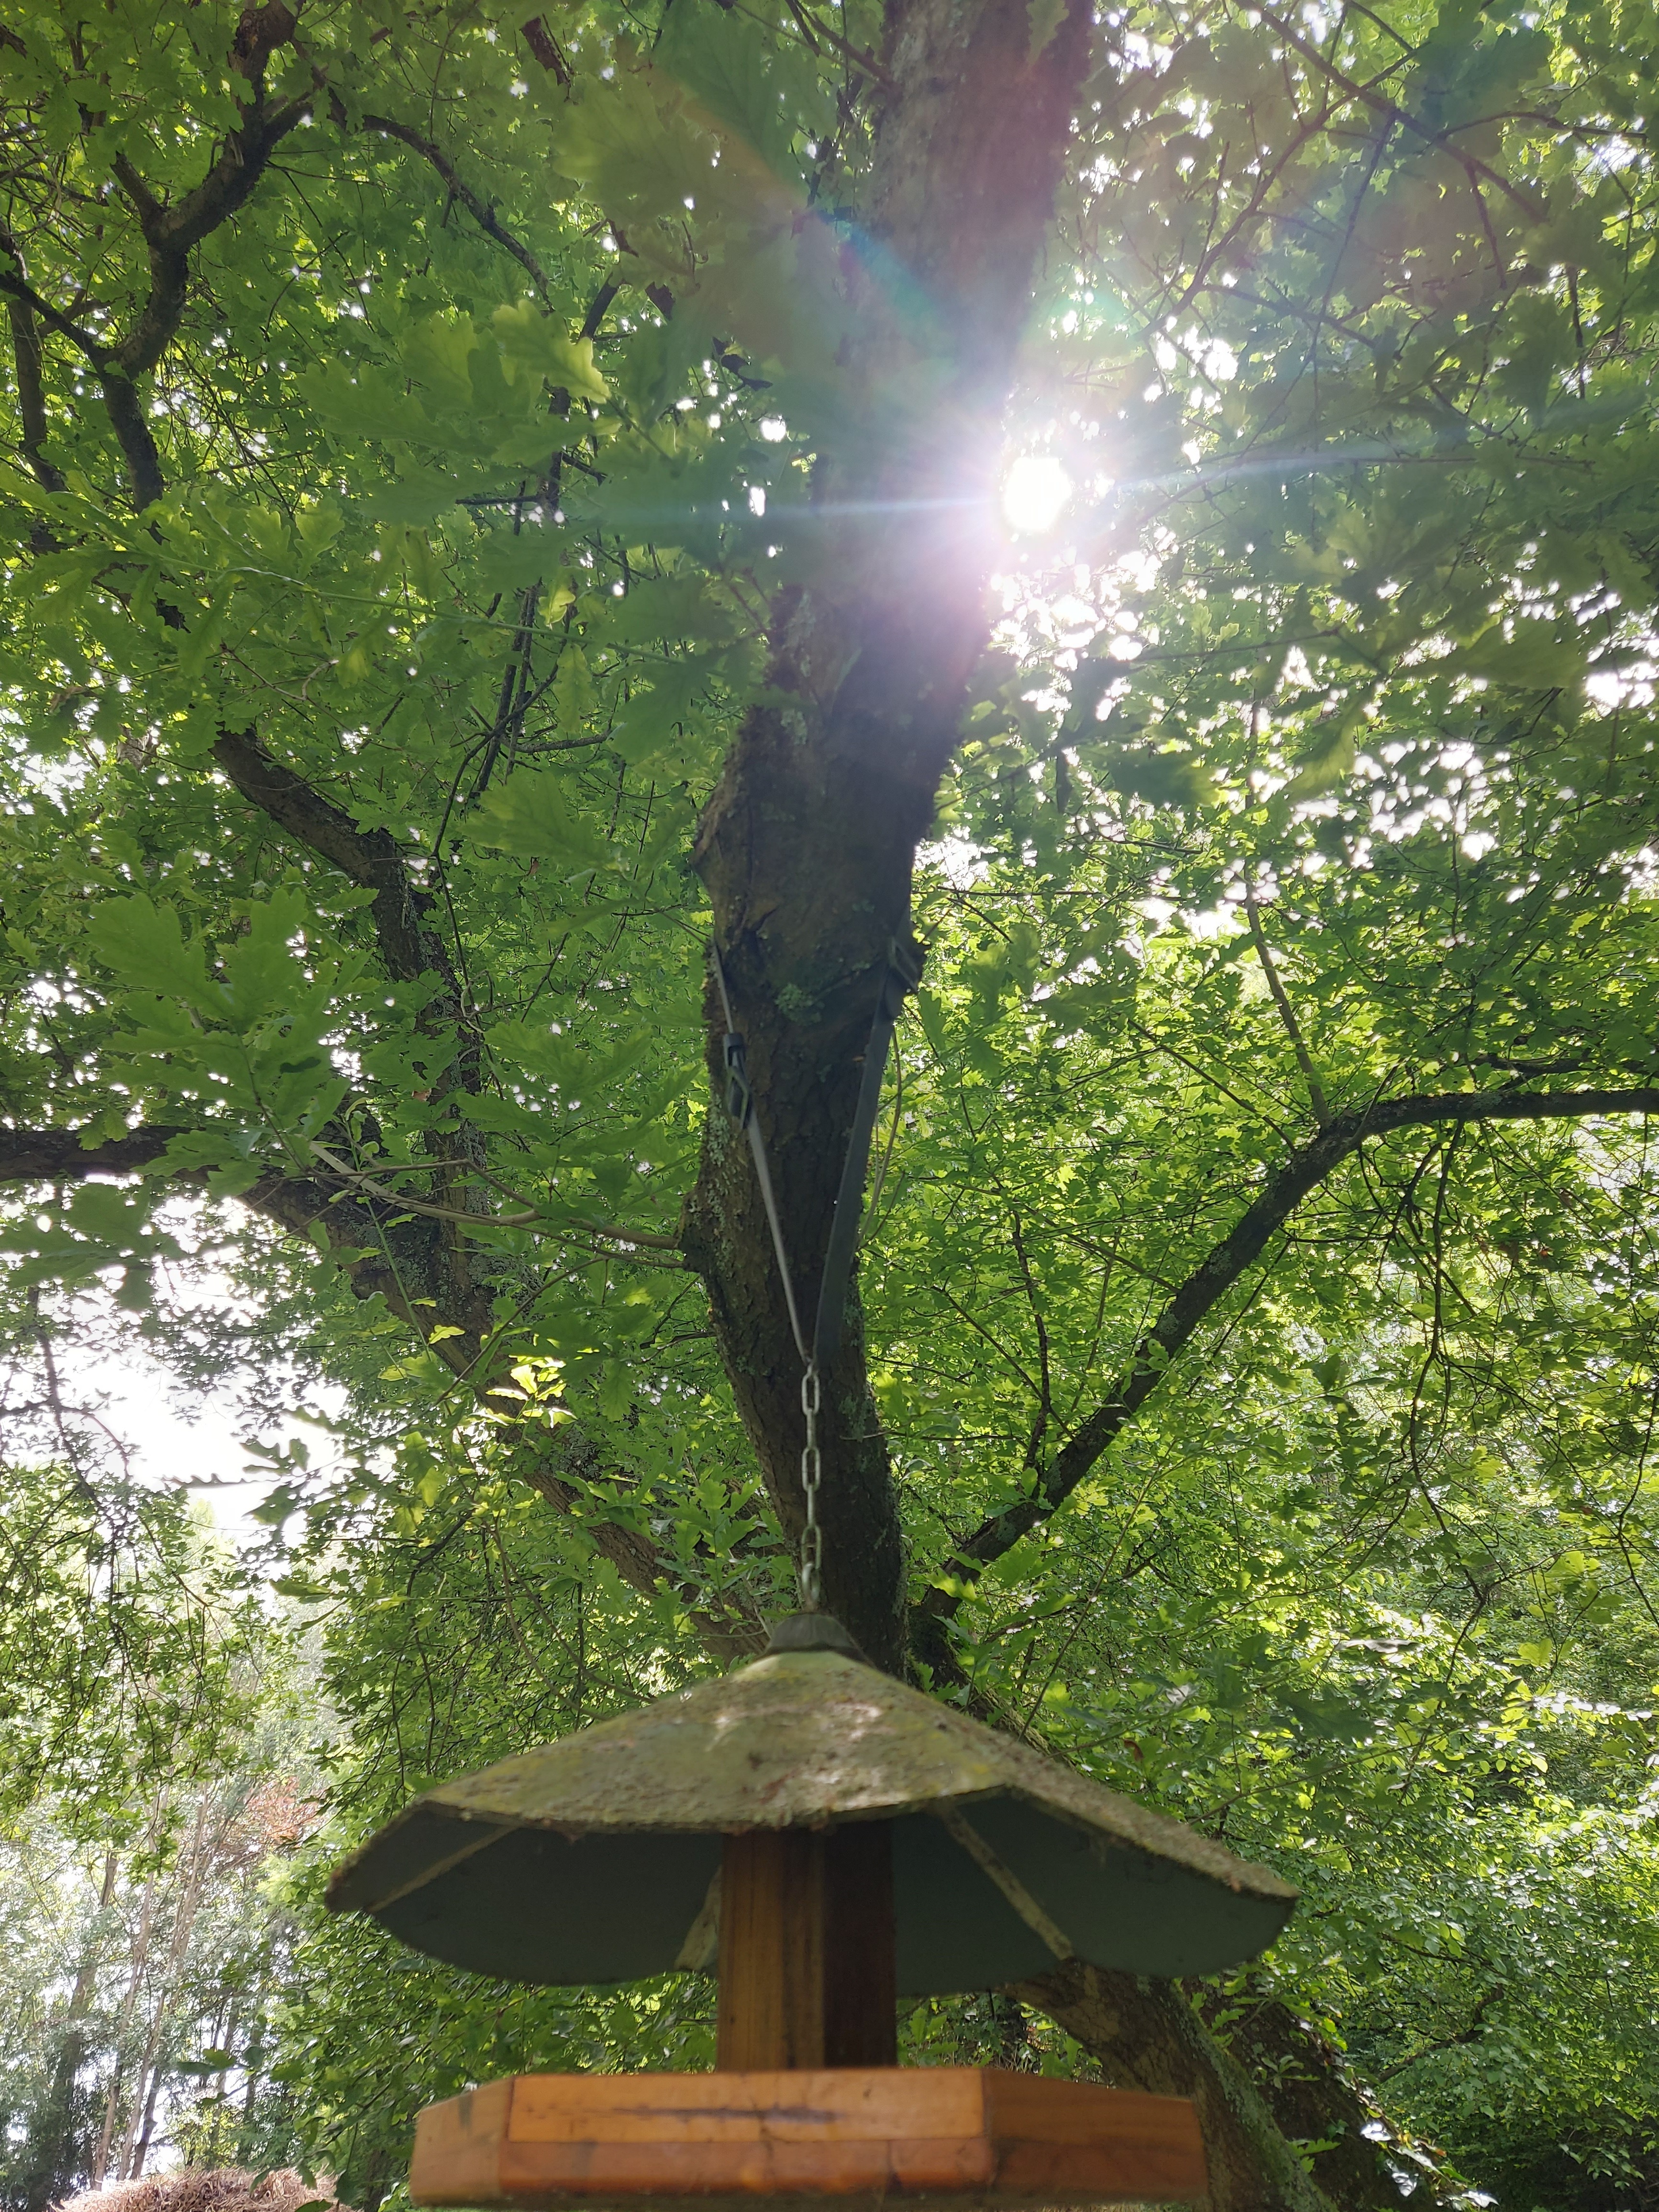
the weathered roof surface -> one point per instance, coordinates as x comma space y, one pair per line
798, 1739
592, 1858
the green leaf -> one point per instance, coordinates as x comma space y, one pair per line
529, 816
1045, 17
144, 945
534, 345
727, 63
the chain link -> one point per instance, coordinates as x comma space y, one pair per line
811, 1474
901, 972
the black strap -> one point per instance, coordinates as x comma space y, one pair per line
898, 976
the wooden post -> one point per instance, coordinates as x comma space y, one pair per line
806, 1949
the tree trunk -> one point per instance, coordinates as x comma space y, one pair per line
191, 1875
139, 1960
808, 844
143, 2151
808, 848
1290, 2091
51, 2154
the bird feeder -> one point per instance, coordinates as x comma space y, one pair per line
828, 1840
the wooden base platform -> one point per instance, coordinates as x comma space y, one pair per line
956, 2135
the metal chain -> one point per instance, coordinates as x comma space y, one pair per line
810, 1570
899, 975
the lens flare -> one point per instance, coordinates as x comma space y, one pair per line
1035, 493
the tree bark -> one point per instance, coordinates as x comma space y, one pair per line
1145, 2035
808, 844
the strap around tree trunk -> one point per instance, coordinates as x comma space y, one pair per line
898, 976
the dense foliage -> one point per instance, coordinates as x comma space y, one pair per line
154, 1751
491, 505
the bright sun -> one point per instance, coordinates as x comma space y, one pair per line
1035, 493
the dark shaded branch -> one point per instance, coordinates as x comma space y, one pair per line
547, 50
31, 393
171, 233
596, 312
1221, 1268
729, 1637
59, 1155
133, 434
1475, 2032
818, 34
409, 1263
368, 857
402, 1264
16, 286
482, 211
384, 1253
411, 948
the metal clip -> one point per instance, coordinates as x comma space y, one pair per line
740, 1098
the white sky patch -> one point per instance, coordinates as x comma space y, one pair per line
957, 859
1631, 686
170, 1440
174, 1436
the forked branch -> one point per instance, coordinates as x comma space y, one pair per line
482, 211
1214, 1275
370, 858
171, 233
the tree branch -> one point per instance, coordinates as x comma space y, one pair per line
31, 394
402, 1264
409, 947
1286, 1013
408, 1264
729, 1637
812, 30
547, 50
1473, 2033
1217, 1273
170, 234
383, 1253
1381, 104
135, 437
482, 211
368, 857
18, 287
424, 1259
63, 1156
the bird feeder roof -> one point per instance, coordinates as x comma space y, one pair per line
596, 1858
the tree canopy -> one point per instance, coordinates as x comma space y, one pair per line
1142, 525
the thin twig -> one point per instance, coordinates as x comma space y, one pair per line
482, 211
1286, 1012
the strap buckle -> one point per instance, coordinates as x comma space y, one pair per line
740, 1098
